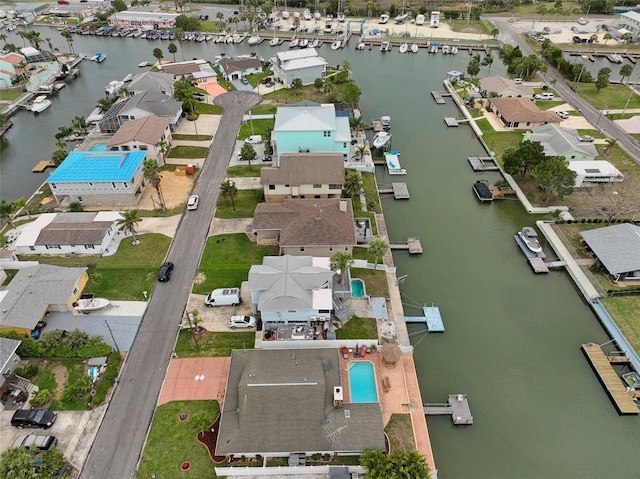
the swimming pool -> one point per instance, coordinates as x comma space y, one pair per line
357, 288
98, 147
362, 382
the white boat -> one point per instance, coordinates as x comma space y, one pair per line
404, 48
143, 64
87, 304
307, 14
285, 12
360, 46
414, 47
128, 78
314, 43
420, 19
294, 42
454, 50
401, 18
40, 104
98, 57
381, 139
393, 163
615, 58
336, 45
341, 17
445, 49
274, 41
530, 238
384, 18
304, 43
385, 120
385, 46
254, 39
296, 14
113, 87
317, 15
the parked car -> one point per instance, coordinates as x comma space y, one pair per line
244, 81
544, 96
37, 331
42, 443
165, 271
63, 2
33, 418
582, 21
563, 114
586, 138
517, 81
254, 139
198, 96
265, 80
223, 297
242, 322
192, 204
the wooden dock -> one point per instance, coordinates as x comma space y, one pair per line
609, 379
43, 165
412, 245
400, 191
483, 163
454, 122
538, 265
457, 407
439, 96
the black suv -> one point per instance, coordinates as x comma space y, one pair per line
33, 418
165, 271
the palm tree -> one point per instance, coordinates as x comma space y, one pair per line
625, 71
158, 54
229, 191
69, 39
128, 222
377, 249
611, 144
79, 124
163, 148
7, 210
487, 61
340, 263
352, 183
607, 37
172, 48
104, 104
151, 171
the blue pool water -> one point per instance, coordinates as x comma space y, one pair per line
362, 382
98, 147
357, 288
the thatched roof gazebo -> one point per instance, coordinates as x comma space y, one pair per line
391, 354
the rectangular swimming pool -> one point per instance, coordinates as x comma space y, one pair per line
357, 288
362, 382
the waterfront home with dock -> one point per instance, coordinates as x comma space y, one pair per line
142, 134
558, 141
139, 106
617, 247
520, 113
304, 64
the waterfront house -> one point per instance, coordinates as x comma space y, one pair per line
99, 178
85, 233
304, 175
304, 64
282, 403
36, 290
309, 127
151, 81
617, 247
150, 103
294, 289
236, 68
591, 173
197, 70
558, 141
503, 87
520, 113
317, 227
12, 65
143, 20
150, 134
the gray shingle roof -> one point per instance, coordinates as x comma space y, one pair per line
56, 233
7, 348
281, 401
557, 141
617, 247
305, 169
154, 102
151, 81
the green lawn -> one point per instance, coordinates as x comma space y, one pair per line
46, 380
242, 171
203, 108
499, 141
211, 344
375, 281
359, 328
624, 311
264, 108
123, 276
182, 151
245, 204
547, 105
484, 125
172, 441
10, 95
226, 261
371, 192
199, 137
260, 127
614, 97
399, 430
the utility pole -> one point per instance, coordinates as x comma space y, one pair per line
112, 336
193, 331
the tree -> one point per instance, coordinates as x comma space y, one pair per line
229, 191
163, 148
473, 67
611, 144
128, 223
352, 93
105, 103
59, 155
17, 463
400, 464
172, 48
296, 84
317, 83
187, 24
377, 249
602, 80
518, 161
487, 61
151, 171
79, 124
220, 17
614, 202
625, 71
157, 53
248, 153
7, 210
554, 178
607, 37
119, 5
340, 263
183, 89
352, 183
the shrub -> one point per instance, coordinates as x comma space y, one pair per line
108, 378
40, 398
77, 389
29, 371
76, 207
29, 346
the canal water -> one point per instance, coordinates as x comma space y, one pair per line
512, 339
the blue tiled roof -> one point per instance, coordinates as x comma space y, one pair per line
83, 166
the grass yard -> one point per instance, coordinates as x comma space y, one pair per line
484, 125
241, 171
226, 261
182, 136
10, 95
264, 108
172, 441
203, 108
614, 97
68, 370
245, 204
182, 151
499, 141
375, 281
371, 192
123, 276
219, 344
260, 127
624, 311
400, 433
358, 328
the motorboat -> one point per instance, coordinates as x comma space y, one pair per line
384, 18
304, 43
294, 42
385, 46
385, 120
317, 15
336, 45
274, 41
482, 190
128, 78
615, 58
530, 238
360, 46
113, 87
314, 43
401, 18
414, 47
632, 380
341, 17
98, 57
454, 50
87, 303
381, 139
445, 49
40, 104
403, 48
143, 64
254, 39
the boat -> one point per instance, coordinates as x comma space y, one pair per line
98, 57
307, 14
420, 19
403, 48
360, 46
87, 303
336, 45
285, 12
632, 380
384, 18
341, 17
445, 49
128, 78
414, 47
615, 58
304, 43
482, 191
314, 43
143, 64
385, 120
381, 139
317, 15
294, 42
254, 39
433, 48
385, 46
454, 50
113, 87
274, 41
401, 18
393, 163
530, 238
40, 104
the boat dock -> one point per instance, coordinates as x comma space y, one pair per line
400, 191
483, 163
43, 165
379, 125
457, 407
439, 96
412, 245
432, 319
393, 163
609, 379
454, 122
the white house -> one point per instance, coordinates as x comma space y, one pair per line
630, 22
590, 173
236, 68
504, 87
304, 64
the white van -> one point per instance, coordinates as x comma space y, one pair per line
223, 297
544, 96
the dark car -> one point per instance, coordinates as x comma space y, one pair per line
33, 418
165, 271
37, 331
265, 80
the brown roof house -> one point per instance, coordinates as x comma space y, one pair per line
504, 87
521, 113
150, 134
304, 175
308, 227
236, 68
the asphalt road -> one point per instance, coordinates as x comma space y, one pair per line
596, 117
120, 439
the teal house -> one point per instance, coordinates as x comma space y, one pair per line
309, 127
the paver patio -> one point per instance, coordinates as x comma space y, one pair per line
191, 379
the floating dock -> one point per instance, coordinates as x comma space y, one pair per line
454, 122
457, 408
483, 163
412, 245
400, 191
538, 265
439, 96
432, 319
43, 165
393, 163
609, 379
